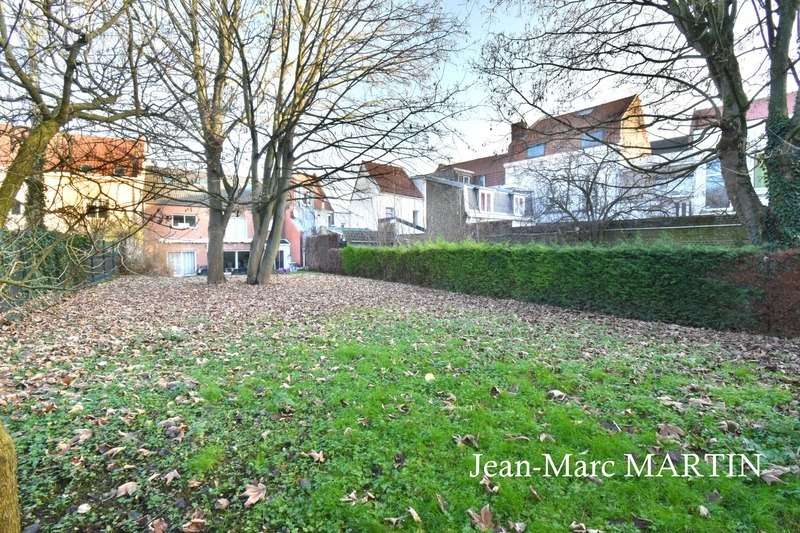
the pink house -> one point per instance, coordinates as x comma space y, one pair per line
176, 237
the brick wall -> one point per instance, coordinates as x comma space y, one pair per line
322, 253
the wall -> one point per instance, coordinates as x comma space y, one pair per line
446, 214
322, 253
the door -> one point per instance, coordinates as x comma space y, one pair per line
181, 263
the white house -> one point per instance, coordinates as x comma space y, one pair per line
381, 194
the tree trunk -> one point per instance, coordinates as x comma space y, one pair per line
274, 242
31, 153
9, 502
257, 248
783, 181
217, 215
34, 199
732, 151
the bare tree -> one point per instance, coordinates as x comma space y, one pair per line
352, 79
682, 53
61, 62
592, 189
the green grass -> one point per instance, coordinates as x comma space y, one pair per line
356, 390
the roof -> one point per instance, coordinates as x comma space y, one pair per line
674, 144
758, 110
391, 179
490, 166
604, 114
109, 156
314, 189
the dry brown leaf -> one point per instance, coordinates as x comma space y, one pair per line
159, 525
482, 520
254, 493
196, 523
127, 489
221, 504
414, 515
490, 486
170, 476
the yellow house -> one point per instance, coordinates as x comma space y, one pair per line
91, 184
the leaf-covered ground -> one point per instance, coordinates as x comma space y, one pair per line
323, 403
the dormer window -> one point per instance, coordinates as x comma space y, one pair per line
592, 138
585, 112
536, 150
465, 178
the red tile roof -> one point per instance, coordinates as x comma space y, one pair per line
391, 179
79, 153
602, 115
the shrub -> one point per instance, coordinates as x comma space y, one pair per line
38, 260
685, 285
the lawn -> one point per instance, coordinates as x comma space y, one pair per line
324, 403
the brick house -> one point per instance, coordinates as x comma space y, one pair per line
176, 238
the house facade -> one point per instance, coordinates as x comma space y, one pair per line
380, 196
91, 184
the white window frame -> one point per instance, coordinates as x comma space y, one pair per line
415, 217
390, 212
184, 224
593, 138
482, 205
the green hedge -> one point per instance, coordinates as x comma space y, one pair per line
684, 285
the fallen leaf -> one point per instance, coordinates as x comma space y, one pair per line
669, 431
84, 508
443, 505
556, 395
221, 504
534, 493
414, 515
490, 486
482, 520
126, 489
170, 476
196, 524
703, 511
394, 521
429, 377
159, 525
466, 440
318, 457
254, 493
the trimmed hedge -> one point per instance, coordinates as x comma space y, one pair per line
684, 285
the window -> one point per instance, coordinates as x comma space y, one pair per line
119, 171
184, 221
592, 138
464, 178
16, 208
390, 212
85, 168
716, 195
330, 219
236, 230
760, 172
415, 217
536, 150
683, 209
519, 205
482, 181
486, 201
97, 209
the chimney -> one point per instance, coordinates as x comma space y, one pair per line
519, 130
